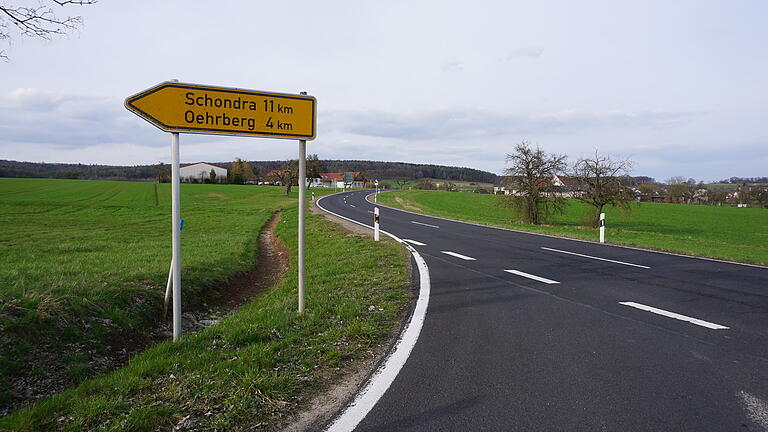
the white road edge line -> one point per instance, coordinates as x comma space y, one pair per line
351, 205
696, 321
458, 255
414, 242
421, 223
595, 258
380, 381
534, 277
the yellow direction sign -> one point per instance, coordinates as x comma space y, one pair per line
195, 108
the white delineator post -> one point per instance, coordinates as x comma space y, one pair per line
602, 227
176, 234
376, 224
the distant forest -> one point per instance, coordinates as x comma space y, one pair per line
373, 170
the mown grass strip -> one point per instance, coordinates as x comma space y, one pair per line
728, 233
257, 364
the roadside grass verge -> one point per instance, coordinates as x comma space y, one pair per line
729, 233
83, 267
256, 365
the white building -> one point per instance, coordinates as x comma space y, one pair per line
339, 180
201, 172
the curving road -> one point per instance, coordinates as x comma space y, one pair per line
526, 332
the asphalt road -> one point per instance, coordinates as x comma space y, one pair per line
526, 332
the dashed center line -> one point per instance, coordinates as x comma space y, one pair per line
458, 255
351, 205
534, 277
420, 223
595, 258
696, 321
414, 242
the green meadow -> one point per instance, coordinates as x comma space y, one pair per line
729, 233
78, 254
462, 185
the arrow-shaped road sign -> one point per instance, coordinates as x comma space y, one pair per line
195, 108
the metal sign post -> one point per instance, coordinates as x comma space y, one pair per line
302, 199
196, 108
176, 234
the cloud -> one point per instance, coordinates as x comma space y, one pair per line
60, 127
472, 123
452, 66
33, 116
527, 52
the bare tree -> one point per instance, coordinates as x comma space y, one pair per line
759, 196
401, 182
37, 21
315, 167
425, 184
717, 196
605, 181
530, 175
679, 189
286, 175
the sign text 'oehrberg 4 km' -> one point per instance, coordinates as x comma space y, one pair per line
194, 108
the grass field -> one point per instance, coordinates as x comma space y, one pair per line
730, 233
78, 254
81, 259
465, 185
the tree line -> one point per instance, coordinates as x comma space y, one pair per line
373, 169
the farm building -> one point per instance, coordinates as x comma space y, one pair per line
341, 180
565, 187
201, 172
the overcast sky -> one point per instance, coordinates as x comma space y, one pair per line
680, 87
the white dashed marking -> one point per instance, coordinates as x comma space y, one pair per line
595, 258
458, 255
419, 223
696, 321
534, 277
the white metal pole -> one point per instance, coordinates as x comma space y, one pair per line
602, 227
302, 193
376, 224
176, 234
